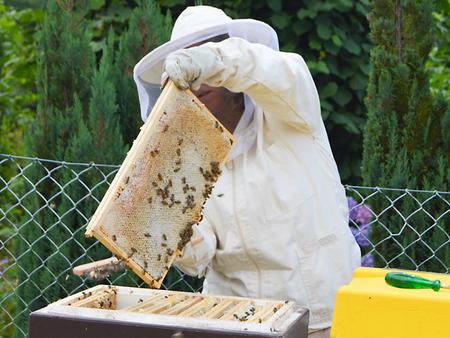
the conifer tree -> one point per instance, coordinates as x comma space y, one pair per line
77, 121
63, 83
147, 29
406, 139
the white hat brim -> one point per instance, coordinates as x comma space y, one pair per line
147, 72
149, 68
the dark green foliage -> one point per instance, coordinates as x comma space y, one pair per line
147, 29
17, 74
438, 65
17, 98
406, 139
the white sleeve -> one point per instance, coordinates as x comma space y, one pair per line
276, 81
199, 251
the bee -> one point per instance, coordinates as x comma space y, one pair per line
166, 259
159, 257
201, 169
275, 309
160, 177
231, 141
216, 124
100, 303
180, 141
170, 183
178, 162
154, 184
166, 127
193, 189
178, 151
260, 320
220, 195
133, 250
114, 238
150, 200
163, 245
140, 300
147, 235
183, 180
145, 264
164, 237
127, 179
176, 170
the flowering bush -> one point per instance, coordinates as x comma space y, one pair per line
360, 216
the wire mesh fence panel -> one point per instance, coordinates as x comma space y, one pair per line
45, 206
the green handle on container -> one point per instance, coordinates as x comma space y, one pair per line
407, 281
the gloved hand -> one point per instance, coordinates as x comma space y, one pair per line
189, 67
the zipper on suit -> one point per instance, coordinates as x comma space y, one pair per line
247, 252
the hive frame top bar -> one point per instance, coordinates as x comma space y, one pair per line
96, 227
128, 295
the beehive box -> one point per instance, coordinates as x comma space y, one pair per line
370, 308
114, 311
145, 217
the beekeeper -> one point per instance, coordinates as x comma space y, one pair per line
276, 225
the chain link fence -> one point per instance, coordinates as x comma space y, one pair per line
45, 206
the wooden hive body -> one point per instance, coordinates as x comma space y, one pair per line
145, 217
161, 312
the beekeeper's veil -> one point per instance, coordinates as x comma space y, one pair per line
195, 24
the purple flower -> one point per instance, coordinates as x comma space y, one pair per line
4, 261
367, 260
358, 213
352, 207
363, 214
361, 235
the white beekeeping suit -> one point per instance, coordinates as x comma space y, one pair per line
276, 225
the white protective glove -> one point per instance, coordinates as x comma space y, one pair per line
189, 68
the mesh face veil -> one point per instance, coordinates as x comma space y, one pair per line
194, 25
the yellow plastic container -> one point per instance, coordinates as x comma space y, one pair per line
370, 308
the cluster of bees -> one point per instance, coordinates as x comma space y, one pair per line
105, 304
163, 189
218, 126
245, 316
105, 301
210, 177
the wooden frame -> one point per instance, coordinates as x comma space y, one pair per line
173, 108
